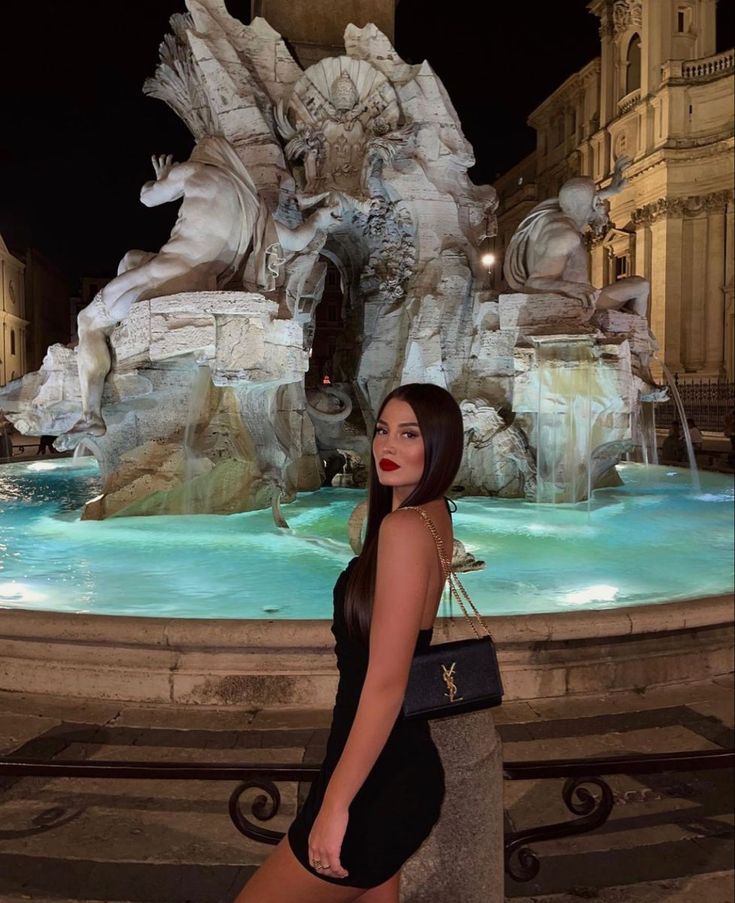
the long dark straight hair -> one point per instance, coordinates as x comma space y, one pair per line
440, 423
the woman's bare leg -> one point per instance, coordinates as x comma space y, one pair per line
388, 892
282, 879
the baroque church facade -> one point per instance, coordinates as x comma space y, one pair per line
659, 94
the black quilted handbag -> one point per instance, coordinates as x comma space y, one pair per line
456, 677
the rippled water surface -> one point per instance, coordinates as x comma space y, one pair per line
650, 540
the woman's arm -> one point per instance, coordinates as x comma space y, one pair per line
406, 552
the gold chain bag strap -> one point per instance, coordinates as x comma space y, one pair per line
461, 676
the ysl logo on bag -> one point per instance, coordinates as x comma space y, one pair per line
448, 678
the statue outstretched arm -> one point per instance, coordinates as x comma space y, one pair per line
293, 240
169, 182
618, 181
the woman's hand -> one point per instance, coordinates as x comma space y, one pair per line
325, 840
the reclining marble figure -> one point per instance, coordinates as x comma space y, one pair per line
221, 220
547, 251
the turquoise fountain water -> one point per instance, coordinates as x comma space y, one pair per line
651, 540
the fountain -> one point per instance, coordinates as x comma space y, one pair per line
359, 161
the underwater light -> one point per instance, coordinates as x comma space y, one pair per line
12, 592
598, 593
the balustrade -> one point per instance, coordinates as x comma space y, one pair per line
700, 70
582, 777
629, 101
711, 65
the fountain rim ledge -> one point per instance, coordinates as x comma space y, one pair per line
250, 634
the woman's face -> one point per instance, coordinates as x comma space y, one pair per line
398, 447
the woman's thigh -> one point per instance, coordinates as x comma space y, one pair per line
388, 892
282, 879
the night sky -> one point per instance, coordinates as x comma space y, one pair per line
77, 132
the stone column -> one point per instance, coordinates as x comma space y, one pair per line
729, 305
598, 264
463, 857
666, 264
694, 301
715, 298
607, 67
642, 254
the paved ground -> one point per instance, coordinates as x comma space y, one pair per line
716, 887
669, 837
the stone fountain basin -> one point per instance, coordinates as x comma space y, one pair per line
258, 663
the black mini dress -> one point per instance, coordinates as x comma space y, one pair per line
399, 803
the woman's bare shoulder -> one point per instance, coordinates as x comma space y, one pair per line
408, 525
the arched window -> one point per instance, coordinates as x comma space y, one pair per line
633, 77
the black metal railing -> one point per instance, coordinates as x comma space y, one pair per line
707, 401
521, 863
593, 810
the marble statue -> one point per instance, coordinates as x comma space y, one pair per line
547, 252
220, 220
342, 122
360, 162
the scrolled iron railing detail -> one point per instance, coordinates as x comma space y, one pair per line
522, 863
259, 777
263, 807
266, 805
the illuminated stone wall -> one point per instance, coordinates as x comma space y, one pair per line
12, 312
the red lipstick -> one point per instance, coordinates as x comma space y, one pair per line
387, 464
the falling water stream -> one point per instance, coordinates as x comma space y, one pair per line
643, 431
201, 382
696, 482
567, 412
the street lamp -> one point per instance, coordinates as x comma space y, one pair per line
488, 260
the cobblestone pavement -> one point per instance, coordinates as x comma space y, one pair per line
122, 841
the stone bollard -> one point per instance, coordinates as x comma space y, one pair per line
462, 859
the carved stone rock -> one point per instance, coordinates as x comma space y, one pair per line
183, 425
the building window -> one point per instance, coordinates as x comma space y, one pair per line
12, 342
684, 19
633, 78
621, 267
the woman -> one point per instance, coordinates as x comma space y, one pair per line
380, 788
